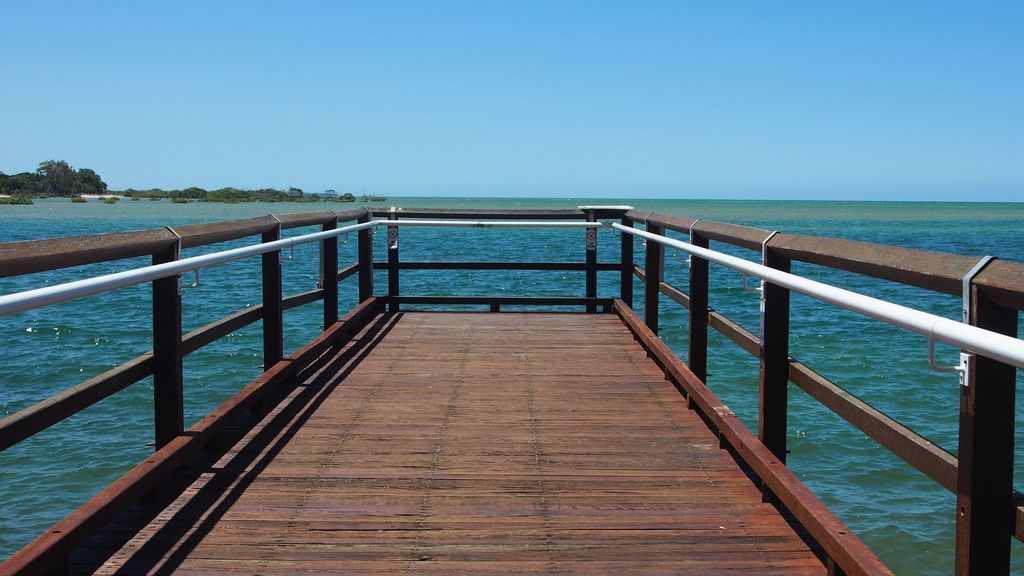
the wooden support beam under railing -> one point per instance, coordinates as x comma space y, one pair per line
654, 261
328, 273
365, 261
393, 275
626, 269
591, 260
168, 393
273, 311
697, 358
773, 378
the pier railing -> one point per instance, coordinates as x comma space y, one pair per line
992, 290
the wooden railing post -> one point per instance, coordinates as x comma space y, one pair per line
393, 261
984, 520
273, 311
653, 274
774, 352
168, 400
365, 260
626, 258
698, 353
329, 273
591, 267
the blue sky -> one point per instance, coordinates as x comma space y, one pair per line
830, 100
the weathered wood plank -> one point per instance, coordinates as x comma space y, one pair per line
475, 443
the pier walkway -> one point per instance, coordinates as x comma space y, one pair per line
509, 441
474, 443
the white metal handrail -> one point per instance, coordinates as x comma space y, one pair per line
989, 344
40, 297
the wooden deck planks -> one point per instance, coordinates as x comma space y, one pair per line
476, 444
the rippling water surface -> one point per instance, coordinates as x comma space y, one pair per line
900, 513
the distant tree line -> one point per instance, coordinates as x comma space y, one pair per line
229, 195
234, 195
56, 178
52, 178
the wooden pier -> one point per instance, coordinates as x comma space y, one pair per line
527, 442
474, 444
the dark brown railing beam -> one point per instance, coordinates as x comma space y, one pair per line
911, 447
1002, 280
348, 271
931, 270
40, 416
1003, 283
300, 219
205, 234
674, 223
31, 256
942, 272
742, 236
220, 328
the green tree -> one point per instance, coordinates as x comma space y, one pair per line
58, 177
89, 182
25, 183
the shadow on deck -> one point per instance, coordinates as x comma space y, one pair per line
472, 443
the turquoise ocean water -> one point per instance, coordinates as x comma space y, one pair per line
901, 514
